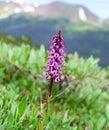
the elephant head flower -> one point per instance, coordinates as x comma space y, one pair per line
56, 57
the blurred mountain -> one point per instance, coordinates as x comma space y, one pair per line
55, 10
8, 8
106, 21
59, 10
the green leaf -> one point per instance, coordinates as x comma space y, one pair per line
65, 117
10, 120
13, 108
22, 107
107, 111
2, 127
101, 123
90, 123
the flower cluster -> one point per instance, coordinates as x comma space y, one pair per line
56, 56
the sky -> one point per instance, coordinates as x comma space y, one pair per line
98, 7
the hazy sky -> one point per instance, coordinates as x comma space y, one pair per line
99, 7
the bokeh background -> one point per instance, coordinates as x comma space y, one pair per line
84, 23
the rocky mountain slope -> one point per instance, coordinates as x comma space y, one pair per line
74, 13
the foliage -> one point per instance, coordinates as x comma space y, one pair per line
80, 102
12, 40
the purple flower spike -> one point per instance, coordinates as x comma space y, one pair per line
56, 56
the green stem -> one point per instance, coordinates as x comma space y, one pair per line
50, 87
47, 103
